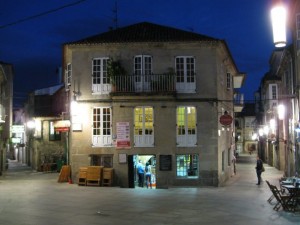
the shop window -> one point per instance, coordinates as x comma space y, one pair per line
102, 160
187, 166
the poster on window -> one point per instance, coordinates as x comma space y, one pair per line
123, 135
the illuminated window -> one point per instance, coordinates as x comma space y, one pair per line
102, 126
187, 166
143, 127
186, 126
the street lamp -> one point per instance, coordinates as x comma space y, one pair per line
278, 17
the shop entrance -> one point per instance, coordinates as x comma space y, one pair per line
146, 165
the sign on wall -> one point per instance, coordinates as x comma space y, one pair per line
123, 135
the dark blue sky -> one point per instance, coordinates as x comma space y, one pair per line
32, 32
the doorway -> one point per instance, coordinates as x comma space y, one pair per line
147, 179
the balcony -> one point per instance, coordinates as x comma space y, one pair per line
149, 84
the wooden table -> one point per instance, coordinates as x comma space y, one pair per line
294, 195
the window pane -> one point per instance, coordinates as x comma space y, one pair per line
181, 120
179, 70
187, 166
191, 118
138, 121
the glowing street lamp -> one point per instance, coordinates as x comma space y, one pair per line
278, 17
281, 112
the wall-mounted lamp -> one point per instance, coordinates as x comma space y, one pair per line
278, 18
31, 124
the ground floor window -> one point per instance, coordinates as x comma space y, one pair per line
102, 160
187, 166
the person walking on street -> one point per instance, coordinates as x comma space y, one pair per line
259, 166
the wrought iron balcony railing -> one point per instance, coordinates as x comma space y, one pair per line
152, 83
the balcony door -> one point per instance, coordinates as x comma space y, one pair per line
100, 80
185, 74
142, 72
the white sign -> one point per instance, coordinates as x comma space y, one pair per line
123, 135
17, 128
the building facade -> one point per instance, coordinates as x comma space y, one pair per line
6, 100
153, 94
45, 145
279, 102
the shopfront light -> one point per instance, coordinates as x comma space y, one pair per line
261, 132
272, 124
266, 130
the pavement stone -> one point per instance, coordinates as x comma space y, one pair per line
28, 197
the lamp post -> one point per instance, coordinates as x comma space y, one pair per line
278, 18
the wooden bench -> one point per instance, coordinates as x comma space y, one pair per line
82, 176
93, 175
108, 176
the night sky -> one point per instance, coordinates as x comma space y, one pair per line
32, 32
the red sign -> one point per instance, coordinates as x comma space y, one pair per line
226, 119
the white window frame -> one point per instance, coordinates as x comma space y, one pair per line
144, 137
100, 81
273, 92
68, 76
102, 127
185, 136
185, 168
185, 67
142, 67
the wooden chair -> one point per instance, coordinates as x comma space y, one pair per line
272, 196
282, 200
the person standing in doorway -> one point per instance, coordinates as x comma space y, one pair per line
140, 172
148, 175
259, 166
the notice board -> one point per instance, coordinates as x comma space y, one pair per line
165, 162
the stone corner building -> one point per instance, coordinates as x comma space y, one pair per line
153, 94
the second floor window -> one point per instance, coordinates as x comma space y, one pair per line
186, 126
273, 92
100, 80
102, 133
68, 75
143, 127
185, 74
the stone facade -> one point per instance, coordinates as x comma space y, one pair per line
212, 149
